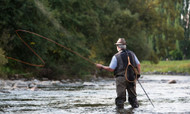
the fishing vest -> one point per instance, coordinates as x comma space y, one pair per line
122, 61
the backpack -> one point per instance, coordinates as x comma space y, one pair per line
130, 71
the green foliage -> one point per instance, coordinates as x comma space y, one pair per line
185, 47
168, 29
90, 28
3, 60
121, 23
185, 43
153, 58
176, 55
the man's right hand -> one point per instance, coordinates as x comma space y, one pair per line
99, 66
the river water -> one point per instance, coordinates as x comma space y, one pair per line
96, 97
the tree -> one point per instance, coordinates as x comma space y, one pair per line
90, 28
169, 30
185, 43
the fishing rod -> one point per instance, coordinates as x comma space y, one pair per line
42, 65
145, 93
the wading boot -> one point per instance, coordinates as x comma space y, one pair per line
119, 105
135, 105
133, 102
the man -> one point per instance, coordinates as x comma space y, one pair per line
118, 64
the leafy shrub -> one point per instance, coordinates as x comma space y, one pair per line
153, 58
3, 60
176, 55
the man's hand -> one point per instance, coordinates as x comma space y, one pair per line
100, 66
138, 76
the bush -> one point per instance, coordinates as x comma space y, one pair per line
153, 58
176, 55
3, 60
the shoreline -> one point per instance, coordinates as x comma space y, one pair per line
35, 84
166, 73
90, 78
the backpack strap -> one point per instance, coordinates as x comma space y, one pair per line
129, 64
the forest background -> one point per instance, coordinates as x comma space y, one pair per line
156, 30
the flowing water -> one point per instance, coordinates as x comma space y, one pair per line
96, 97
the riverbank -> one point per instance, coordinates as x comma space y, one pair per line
162, 68
166, 67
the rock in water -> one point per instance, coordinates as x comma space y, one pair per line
4, 91
172, 81
88, 84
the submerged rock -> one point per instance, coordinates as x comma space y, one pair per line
88, 84
4, 91
34, 88
20, 84
172, 81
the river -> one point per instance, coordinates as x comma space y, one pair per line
95, 97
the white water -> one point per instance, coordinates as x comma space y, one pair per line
97, 97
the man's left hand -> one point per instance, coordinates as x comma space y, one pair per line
138, 76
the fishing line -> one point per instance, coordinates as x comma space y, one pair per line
43, 62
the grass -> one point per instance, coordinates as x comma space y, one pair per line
182, 66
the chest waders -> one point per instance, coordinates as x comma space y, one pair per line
125, 79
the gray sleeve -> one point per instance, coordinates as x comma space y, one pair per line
113, 63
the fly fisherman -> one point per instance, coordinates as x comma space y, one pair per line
118, 65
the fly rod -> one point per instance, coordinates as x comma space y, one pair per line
145, 93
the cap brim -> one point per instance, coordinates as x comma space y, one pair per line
120, 44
